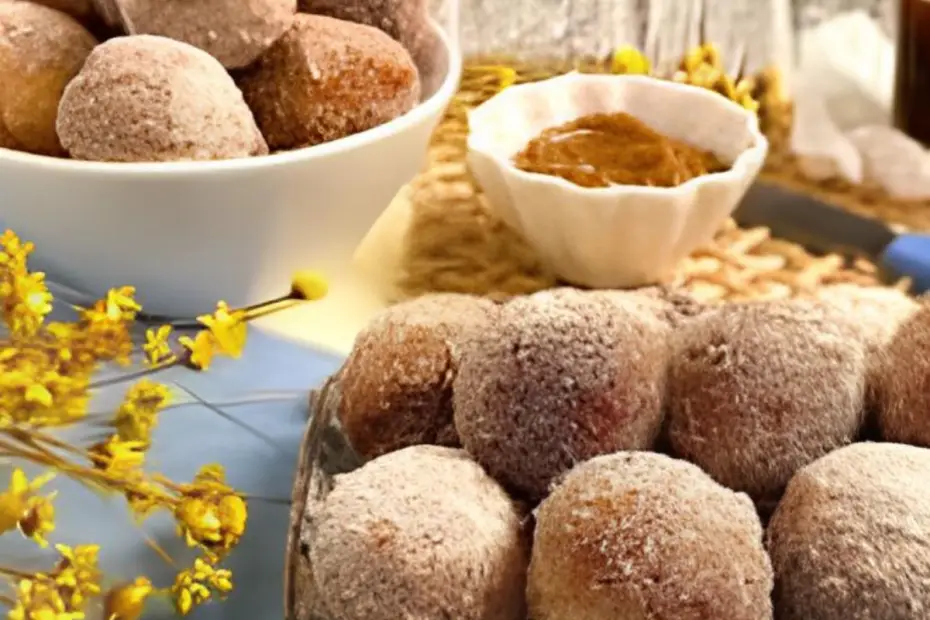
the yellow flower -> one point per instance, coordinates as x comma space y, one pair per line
202, 347
39, 598
630, 61
121, 304
209, 513
157, 348
117, 456
228, 328
39, 519
77, 574
195, 586
18, 499
309, 286
137, 416
127, 602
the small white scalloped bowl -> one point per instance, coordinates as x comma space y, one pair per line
187, 234
620, 236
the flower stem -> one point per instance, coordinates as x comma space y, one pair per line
253, 311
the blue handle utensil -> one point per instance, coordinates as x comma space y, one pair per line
822, 227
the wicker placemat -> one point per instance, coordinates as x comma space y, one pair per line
456, 242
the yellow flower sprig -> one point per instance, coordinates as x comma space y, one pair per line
46, 380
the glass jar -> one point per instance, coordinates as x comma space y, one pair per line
912, 80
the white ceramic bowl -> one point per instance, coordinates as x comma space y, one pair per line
189, 234
619, 236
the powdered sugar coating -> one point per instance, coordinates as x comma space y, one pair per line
327, 79
903, 382
850, 539
559, 378
235, 32
147, 98
41, 49
396, 385
641, 535
759, 390
422, 533
672, 306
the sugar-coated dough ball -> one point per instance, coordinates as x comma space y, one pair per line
82, 10
903, 382
41, 49
422, 533
146, 98
405, 21
560, 377
641, 535
877, 311
235, 32
851, 537
396, 385
758, 390
326, 79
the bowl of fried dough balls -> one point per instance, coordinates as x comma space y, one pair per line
208, 149
608, 455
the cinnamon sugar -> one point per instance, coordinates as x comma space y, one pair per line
41, 49
850, 538
235, 32
560, 377
418, 533
760, 389
326, 79
396, 385
641, 535
146, 98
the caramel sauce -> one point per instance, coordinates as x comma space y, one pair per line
601, 150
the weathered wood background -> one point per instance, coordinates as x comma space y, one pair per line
751, 33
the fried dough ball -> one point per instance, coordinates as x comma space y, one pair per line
758, 390
146, 98
903, 382
642, 535
41, 50
877, 311
235, 32
558, 378
405, 21
396, 385
327, 79
420, 533
850, 539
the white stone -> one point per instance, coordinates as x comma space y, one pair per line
851, 62
822, 150
899, 164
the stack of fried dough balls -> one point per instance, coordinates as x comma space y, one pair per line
633, 455
182, 80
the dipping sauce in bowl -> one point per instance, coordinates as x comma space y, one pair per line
600, 150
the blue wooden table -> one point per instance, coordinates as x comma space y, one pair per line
265, 390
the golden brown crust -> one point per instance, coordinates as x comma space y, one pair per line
422, 533
903, 382
641, 535
562, 376
326, 79
758, 390
41, 50
396, 384
850, 539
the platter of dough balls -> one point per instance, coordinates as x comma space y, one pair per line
225, 143
606, 455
